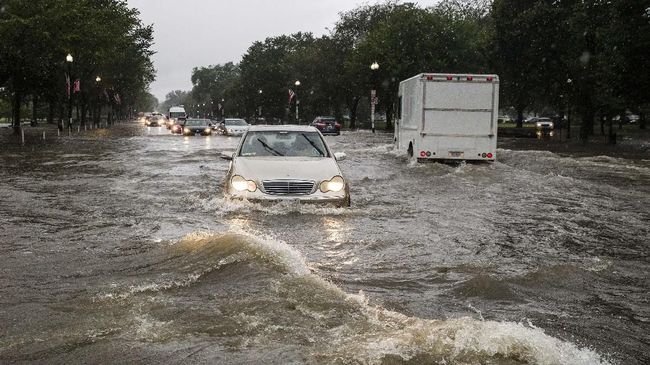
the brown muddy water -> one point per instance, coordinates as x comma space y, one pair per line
119, 247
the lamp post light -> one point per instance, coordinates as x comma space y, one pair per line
223, 107
69, 59
297, 83
373, 94
98, 109
259, 109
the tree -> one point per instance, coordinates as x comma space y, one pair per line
103, 36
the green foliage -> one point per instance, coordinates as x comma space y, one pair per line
553, 55
105, 38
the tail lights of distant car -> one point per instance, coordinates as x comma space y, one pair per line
336, 184
240, 184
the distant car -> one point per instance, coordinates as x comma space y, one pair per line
276, 163
327, 125
544, 127
232, 127
155, 120
193, 127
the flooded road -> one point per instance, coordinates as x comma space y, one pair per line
118, 247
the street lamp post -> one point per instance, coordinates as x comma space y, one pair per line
98, 109
259, 111
297, 83
223, 107
69, 82
373, 95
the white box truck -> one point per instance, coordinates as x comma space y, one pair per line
448, 117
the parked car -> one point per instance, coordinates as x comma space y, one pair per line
327, 125
276, 163
232, 127
194, 126
504, 119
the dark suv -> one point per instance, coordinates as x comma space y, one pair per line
327, 125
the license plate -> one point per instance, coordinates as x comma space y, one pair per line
456, 154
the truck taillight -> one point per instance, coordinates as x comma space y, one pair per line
423, 154
430, 78
490, 155
470, 78
490, 78
449, 78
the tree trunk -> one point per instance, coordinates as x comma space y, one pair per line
61, 116
568, 123
50, 112
520, 117
587, 126
353, 112
602, 124
611, 138
642, 120
35, 110
389, 117
15, 111
84, 110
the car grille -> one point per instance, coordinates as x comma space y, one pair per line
277, 187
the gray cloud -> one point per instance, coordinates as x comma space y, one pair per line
190, 33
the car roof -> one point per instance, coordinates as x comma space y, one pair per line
286, 127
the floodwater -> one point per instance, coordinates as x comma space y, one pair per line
119, 247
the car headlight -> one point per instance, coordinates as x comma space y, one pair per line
186, 130
539, 125
229, 130
240, 184
207, 130
336, 184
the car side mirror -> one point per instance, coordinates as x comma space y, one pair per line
227, 155
340, 156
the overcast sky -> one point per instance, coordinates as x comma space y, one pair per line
190, 33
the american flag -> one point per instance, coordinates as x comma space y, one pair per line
77, 86
291, 95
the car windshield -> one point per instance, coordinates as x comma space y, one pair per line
196, 123
283, 143
176, 115
236, 122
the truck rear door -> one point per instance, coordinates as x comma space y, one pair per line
458, 108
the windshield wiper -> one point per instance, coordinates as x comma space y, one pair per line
313, 144
269, 148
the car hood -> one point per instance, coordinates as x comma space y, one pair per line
298, 168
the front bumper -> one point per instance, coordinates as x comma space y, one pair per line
341, 198
195, 132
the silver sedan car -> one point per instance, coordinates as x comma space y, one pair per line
294, 163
